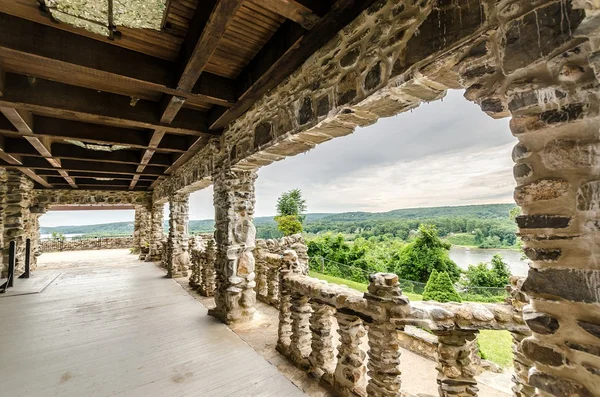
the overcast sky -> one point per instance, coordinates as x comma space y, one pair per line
443, 153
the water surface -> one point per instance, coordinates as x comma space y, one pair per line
472, 256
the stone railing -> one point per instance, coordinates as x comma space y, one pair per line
202, 264
309, 310
267, 256
81, 244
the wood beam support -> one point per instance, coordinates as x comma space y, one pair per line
289, 47
292, 10
59, 55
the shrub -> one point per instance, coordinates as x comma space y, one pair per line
439, 288
481, 275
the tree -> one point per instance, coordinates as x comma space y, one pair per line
426, 253
439, 288
290, 212
481, 275
288, 224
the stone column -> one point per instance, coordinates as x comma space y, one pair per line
36, 211
551, 93
207, 286
19, 190
456, 374
385, 297
284, 331
3, 179
156, 233
321, 359
301, 337
349, 376
178, 256
235, 237
142, 231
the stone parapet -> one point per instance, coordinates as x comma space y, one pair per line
307, 307
93, 243
202, 277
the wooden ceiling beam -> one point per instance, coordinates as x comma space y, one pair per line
87, 166
292, 10
285, 52
91, 175
22, 120
198, 47
63, 56
20, 147
76, 103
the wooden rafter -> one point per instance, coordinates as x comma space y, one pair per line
292, 10
197, 49
100, 64
284, 53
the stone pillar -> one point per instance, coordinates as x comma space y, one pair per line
551, 93
178, 257
385, 297
301, 337
284, 332
3, 179
321, 359
142, 231
156, 233
19, 190
36, 211
349, 376
235, 237
207, 286
456, 374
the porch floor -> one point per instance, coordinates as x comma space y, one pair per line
110, 325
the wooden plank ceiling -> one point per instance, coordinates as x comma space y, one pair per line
81, 110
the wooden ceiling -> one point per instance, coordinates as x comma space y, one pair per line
80, 110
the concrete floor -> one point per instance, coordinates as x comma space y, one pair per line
110, 325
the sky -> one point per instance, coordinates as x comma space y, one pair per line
443, 153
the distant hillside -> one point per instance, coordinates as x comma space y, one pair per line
318, 220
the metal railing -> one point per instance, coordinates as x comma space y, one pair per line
12, 256
83, 243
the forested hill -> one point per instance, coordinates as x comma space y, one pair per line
398, 223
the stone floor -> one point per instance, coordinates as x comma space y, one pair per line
110, 325
418, 373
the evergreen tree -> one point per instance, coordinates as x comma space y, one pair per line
439, 288
417, 260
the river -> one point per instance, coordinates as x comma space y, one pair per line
472, 256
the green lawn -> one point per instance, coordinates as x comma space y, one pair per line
495, 346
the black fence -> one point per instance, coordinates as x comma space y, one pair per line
81, 243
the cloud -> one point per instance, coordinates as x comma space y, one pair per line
443, 153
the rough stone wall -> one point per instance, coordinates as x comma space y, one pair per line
235, 237
19, 192
202, 277
91, 197
142, 230
3, 179
156, 233
178, 256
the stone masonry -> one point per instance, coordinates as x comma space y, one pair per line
142, 230
156, 233
17, 218
235, 238
178, 256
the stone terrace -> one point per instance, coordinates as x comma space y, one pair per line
96, 112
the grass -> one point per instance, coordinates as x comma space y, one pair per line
495, 346
463, 239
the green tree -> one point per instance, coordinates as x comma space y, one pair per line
426, 253
288, 224
482, 275
439, 288
290, 212
58, 236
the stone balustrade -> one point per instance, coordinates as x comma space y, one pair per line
312, 311
80, 244
267, 255
202, 266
